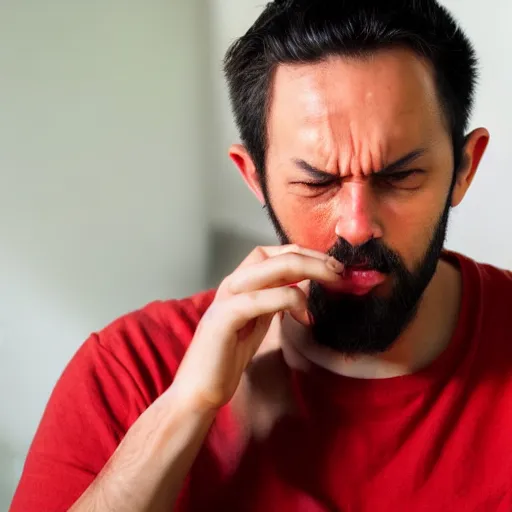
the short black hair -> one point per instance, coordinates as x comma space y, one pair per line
307, 31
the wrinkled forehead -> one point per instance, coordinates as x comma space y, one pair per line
387, 100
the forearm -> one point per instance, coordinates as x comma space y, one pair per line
147, 471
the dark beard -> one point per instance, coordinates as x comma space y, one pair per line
370, 324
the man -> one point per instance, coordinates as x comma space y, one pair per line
357, 367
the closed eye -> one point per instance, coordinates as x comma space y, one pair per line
410, 179
316, 184
399, 176
320, 183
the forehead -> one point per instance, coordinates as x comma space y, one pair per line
388, 99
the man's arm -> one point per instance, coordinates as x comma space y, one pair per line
147, 471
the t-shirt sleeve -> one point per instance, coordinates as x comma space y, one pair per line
89, 411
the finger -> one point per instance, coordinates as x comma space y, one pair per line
285, 269
303, 317
241, 309
263, 253
304, 286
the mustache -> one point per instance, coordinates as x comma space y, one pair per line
373, 255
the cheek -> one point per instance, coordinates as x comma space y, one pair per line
308, 225
409, 227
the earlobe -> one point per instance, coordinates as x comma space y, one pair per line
476, 144
245, 164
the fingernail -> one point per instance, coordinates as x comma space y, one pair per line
335, 265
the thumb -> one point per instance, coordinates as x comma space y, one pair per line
303, 316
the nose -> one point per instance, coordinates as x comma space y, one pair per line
356, 217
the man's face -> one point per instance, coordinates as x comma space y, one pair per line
334, 130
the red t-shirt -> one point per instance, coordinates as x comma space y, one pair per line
437, 440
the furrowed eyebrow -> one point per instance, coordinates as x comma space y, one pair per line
399, 164
312, 171
392, 168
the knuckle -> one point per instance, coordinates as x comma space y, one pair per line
223, 291
224, 284
212, 312
260, 251
249, 300
229, 284
238, 306
294, 262
228, 312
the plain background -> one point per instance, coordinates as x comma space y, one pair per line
114, 129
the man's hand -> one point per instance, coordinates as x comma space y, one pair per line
147, 471
234, 326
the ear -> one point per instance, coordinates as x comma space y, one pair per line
245, 164
474, 149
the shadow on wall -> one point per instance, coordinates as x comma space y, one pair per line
228, 250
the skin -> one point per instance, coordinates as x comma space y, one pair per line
350, 119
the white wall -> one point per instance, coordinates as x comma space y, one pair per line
481, 226
102, 204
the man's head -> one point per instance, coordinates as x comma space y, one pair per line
353, 116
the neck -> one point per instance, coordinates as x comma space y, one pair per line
422, 341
